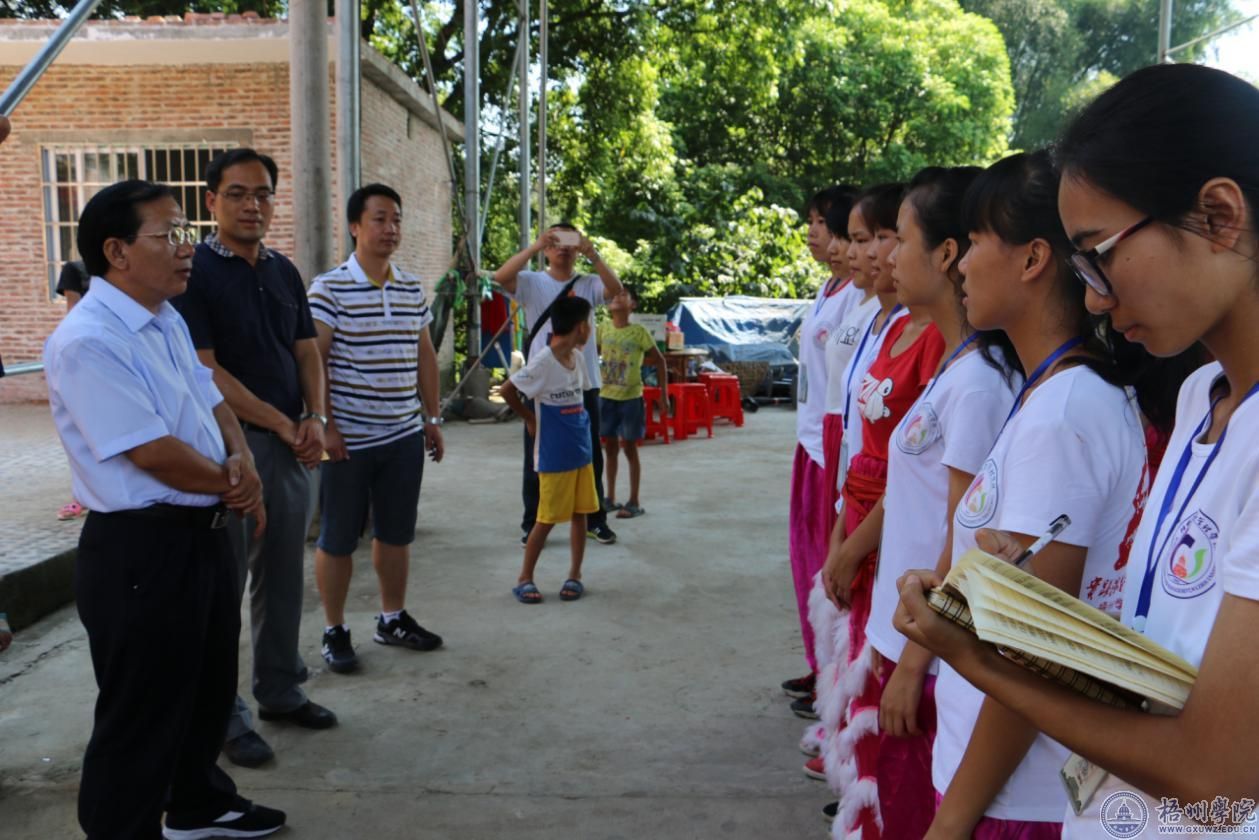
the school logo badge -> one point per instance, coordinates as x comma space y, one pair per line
979, 503
1189, 566
1124, 815
920, 429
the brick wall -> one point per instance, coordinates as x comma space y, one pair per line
96, 104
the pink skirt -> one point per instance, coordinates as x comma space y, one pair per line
990, 828
808, 536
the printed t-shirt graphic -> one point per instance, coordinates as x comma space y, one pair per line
842, 345
622, 351
1075, 447
892, 384
563, 428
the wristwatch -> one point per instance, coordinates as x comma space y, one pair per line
434, 421
312, 415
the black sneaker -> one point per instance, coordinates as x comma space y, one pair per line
404, 631
255, 821
803, 707
338, 652
829, 811
602, 534
524, 539
248, 750
800, 686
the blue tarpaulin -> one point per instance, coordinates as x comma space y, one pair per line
743, 329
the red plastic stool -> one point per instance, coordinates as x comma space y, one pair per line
691, 409
725, 396
655, 425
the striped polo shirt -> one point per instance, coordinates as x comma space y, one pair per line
373, 365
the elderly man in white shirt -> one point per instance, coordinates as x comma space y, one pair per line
159, 458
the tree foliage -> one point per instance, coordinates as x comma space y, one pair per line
1059, 49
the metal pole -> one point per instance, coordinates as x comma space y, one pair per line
472, 165
526, 181
1164, 30
24, 81
349, 119
1212, 35
312, 147
543, 23
500, 139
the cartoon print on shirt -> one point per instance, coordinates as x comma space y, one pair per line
870, 400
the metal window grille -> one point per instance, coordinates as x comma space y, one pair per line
71, 175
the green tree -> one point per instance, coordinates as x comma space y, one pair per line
1059, 49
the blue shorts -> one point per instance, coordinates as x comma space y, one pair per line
386, 478
624, 419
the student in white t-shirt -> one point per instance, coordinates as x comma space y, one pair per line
1159, 191
934, 454
1073, 444
535, 291
810, 498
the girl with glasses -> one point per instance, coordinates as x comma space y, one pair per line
1173, 143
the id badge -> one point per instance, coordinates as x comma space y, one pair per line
843, 464
802, 385
1082, 779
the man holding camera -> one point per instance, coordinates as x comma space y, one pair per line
536, 291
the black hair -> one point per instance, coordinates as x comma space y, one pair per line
880, 205
562, 226
936, 195
1153, 139
836, 213
1017, 200
113, 213
822, 200
567, 313
214, 172
631, 291
358, 200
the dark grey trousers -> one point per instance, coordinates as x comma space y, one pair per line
275, 563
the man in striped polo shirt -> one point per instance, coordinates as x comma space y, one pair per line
371, 320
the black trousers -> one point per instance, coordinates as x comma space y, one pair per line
529, 486
158, 600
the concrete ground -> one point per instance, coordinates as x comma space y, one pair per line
649, 709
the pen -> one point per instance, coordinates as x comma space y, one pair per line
1055, 528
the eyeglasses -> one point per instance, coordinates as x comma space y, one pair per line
177, 235
1088, 265
239, 196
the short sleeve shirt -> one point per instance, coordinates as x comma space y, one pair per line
534, 292
623, 350
1075, 447
563, 440
250, 316
73, 278
121, 376
373, 363
822, 318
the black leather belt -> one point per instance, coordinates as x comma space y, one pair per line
209, 518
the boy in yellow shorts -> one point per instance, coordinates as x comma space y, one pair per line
555, 380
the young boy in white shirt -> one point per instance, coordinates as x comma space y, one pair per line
555, 380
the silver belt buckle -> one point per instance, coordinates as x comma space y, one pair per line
219, 520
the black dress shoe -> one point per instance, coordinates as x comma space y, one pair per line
310, 715
248, 750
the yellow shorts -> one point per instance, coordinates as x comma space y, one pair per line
565, 493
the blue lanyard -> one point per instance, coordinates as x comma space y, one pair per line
832, 286
1169, 498
970, 339
1040, 371
856, 359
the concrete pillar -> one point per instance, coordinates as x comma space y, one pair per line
349, 109
311, 178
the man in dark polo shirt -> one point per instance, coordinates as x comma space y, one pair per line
246, 309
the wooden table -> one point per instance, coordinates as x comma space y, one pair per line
684, 364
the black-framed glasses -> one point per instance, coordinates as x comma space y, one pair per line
177, 235
1088, 264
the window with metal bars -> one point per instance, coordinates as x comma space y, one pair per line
73, 174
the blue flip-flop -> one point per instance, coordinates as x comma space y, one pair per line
523, 590
571, 590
